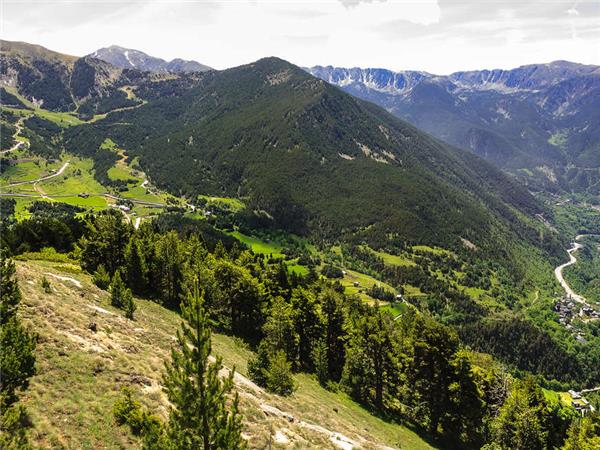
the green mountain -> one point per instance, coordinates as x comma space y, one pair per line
311, 159
65, 83
385, 263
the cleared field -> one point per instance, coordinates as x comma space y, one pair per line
119, 173
27, 171
427, 248
394, 260
76, 179
228, 203
364, 282
257, 245
63, 119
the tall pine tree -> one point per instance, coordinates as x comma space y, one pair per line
203, 415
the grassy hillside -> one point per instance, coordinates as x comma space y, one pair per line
80, 373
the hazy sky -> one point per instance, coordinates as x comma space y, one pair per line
439, 36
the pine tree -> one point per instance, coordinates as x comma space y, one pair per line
524, 420
9, 293
279, 330
135, 264
128, 304
118, 291
334, 318
584, 434
308, 322
202, 416
17, 360
104, 242
319, 356
169, 268
279, 375
101, 278
372, 363
121, 296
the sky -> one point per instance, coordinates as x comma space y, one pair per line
438, 36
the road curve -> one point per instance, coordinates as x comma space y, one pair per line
559, 275
572, 260
47, 177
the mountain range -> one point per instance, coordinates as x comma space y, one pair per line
306, 157
127, 58
539, 121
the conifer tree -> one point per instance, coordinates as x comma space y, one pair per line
118, 291
136, 268
203, 415
17, 360
334, 318
128, 304
319, 356
121, 296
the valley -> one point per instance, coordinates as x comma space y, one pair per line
373, 286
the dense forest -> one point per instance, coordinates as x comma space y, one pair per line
413, 370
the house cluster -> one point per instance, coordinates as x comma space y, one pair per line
590, 312
580, 403
566, 309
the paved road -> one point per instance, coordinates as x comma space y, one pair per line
47, 177
572, 260
558, 273
13, 148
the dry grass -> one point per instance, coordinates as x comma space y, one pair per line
80, 374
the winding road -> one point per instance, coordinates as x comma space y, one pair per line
558, 272
18, 144
47, 177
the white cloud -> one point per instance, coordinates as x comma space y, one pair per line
435, 35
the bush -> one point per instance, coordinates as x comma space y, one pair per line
279, 375
332, 272
46, 286
128, 411
101, 278
272, 371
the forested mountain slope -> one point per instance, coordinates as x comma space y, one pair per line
540, 117
66, 83
312, 160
